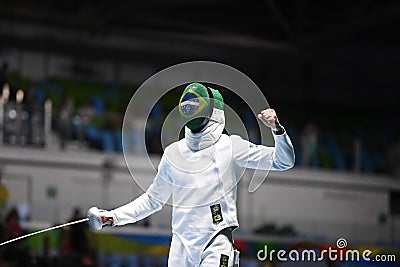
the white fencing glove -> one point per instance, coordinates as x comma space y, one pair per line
270, 119
99, 218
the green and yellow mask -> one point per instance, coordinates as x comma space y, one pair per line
197, 104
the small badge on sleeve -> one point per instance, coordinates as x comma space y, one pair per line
223, 261
216, 213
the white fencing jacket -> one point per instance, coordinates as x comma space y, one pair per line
201, 172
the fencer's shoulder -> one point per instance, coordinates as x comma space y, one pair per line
173, 146
236, 138
238, 143
224, 138
176, 153
231, 140
168, 153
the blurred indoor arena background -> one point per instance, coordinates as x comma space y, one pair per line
69, 69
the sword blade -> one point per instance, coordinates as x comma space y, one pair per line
44, 230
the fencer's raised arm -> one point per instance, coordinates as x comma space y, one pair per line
279, 157
249, 155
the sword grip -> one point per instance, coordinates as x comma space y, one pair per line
236, 254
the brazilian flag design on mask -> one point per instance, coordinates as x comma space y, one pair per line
196, 105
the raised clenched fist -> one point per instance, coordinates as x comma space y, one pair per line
269, 118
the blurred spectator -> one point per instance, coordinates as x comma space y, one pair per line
65, 247
64, 119
3, 74
153, 130
78, 235
86, 112
89, 259
31, 103
393, 158
4, 194
46, 247
309, 140
46, 256
30, 107
13, 253
13, 228
84, 115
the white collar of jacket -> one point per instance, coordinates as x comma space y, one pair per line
209, 135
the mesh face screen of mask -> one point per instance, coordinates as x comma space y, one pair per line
190, 104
